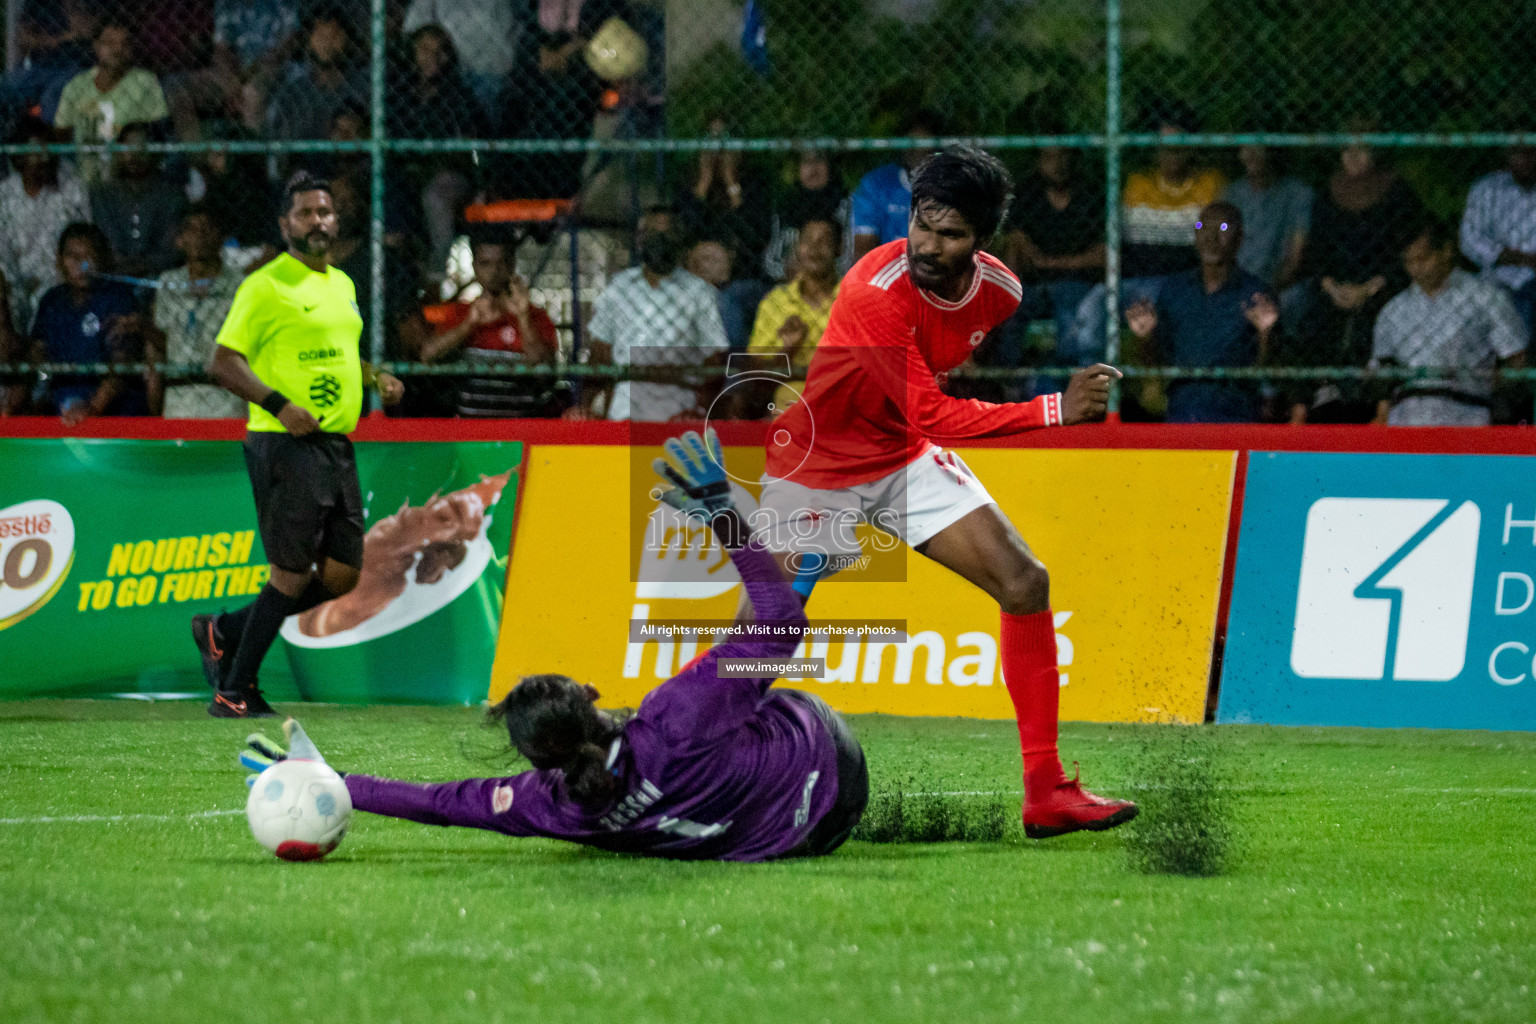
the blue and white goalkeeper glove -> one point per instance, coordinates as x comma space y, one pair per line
264, 753
700, 485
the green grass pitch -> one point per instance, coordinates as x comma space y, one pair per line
1383, 876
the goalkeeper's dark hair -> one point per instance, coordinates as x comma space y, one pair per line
300, 182
551, 721
969, 181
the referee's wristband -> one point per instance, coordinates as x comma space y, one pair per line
274, 403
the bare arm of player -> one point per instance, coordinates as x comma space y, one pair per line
235, 375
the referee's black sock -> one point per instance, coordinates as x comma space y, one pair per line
315, 594
264, 617
231, 625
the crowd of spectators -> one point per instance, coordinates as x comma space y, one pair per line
1266, 271
1257, 270
135, 256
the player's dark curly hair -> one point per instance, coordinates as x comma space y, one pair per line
551, 721
969, 181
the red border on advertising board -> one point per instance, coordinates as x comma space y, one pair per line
1207, 437
1224, 596
517, 511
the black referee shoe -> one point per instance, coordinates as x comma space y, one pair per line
217, 657
240, 703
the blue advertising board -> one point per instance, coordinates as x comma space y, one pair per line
1384, 590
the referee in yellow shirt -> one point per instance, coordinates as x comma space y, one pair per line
290, 348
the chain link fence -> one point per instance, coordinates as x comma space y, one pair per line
516, 179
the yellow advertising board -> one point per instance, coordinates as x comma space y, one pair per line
1134, 541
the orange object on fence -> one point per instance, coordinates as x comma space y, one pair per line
510, 211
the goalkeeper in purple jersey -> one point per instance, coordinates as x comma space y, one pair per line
709, 767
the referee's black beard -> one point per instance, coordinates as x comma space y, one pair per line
316, 243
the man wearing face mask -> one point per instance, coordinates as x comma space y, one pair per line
289, 347
656, 314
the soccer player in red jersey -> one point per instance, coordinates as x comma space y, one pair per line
864, 445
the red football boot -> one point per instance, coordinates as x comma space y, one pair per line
1068, 807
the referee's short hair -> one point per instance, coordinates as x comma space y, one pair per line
302, 181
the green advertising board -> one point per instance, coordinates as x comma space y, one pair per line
108, 548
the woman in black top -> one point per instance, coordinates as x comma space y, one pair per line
553, 94
1360, 224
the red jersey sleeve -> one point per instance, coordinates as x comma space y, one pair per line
543, 326
884, 345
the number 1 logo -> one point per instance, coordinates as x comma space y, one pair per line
1384, 576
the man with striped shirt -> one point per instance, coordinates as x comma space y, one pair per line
1498, 229
1462, 327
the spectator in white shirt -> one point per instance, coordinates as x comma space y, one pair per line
36, 202
1498, 230
656, 314
191, 305
1453, 323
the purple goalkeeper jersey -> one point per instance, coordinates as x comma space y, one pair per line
708, 768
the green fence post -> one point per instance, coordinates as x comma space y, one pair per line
376, 219
1112, 194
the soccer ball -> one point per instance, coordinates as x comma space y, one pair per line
299, 809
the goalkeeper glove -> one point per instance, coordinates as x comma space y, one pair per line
700, 485
264, 752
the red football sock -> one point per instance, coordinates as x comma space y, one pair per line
1029, 672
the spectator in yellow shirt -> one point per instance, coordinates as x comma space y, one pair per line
1158, 210
792, 317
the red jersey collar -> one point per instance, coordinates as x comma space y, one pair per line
941, 303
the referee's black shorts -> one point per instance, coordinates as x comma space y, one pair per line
843, 816
309, 506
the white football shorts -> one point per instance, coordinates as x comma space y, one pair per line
933, 491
